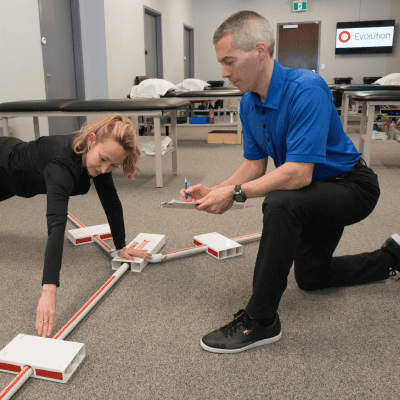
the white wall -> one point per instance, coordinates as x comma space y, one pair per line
210, 14
94, 49
114, 53
125, 40
21, 63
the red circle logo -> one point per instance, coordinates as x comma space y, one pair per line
344, 33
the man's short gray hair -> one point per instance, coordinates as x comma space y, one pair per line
247, 28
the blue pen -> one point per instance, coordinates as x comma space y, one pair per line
186, 187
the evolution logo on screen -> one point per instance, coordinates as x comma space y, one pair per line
364, 37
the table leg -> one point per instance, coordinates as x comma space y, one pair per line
174, 137
4, 125
368, 134
135, 123
157, 150
36, 128
363, 127
345, 110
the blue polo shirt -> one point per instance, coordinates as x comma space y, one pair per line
298, 122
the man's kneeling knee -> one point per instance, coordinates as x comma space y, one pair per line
309, 286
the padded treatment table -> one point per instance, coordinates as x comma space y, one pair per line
346, 90
30, 108
126, 107
216, 93
369, 101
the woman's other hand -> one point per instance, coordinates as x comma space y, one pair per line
130, 254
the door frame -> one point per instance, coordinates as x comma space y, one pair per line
158, 16
78, 53
299, 23
77, 50
191, 48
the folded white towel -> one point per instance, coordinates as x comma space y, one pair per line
191, 85
391, 79
151, 88
379, 135
148, 147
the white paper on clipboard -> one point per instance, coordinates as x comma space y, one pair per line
188, 205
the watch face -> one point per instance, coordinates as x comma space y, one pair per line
238, 195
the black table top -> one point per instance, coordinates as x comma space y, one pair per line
356, 88
126, 105
206, 94
93, 105
377, 95
34, 105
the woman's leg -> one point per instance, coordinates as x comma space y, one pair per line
6, 186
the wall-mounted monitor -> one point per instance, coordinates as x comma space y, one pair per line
364, 37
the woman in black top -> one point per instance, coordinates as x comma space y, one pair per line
60, 167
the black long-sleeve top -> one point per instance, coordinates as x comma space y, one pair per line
49, 166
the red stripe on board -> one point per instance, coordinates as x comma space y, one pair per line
197, 243
11, 385
83, 240
106, 236
10, 367
64, 328
49, 374
214, 253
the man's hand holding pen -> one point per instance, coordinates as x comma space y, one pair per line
215, 201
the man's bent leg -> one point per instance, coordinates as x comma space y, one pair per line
315, 268
288, 214
276, 252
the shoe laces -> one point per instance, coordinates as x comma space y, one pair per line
393, 271
240, 319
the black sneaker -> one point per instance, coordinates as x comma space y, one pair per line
392, 246
241, 334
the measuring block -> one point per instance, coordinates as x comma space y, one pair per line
51, 359
85, 235
144, 241
218, 245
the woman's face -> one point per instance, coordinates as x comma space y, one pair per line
103, 157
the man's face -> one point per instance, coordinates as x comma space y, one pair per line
242, 68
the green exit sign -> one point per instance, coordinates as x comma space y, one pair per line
299, 6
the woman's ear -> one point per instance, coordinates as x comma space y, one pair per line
91, 139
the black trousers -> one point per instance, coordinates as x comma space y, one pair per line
305, 226
6, 186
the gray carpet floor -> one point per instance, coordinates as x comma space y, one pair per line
142, 339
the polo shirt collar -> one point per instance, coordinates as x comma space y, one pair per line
275, 89
276, 86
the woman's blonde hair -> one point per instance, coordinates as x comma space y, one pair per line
115, 127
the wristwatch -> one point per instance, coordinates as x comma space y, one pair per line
238, 195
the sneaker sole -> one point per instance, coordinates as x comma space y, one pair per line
229, 351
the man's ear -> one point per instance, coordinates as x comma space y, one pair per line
261, 48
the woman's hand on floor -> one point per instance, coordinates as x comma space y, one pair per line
46, 310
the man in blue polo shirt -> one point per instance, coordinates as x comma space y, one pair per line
319, 186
